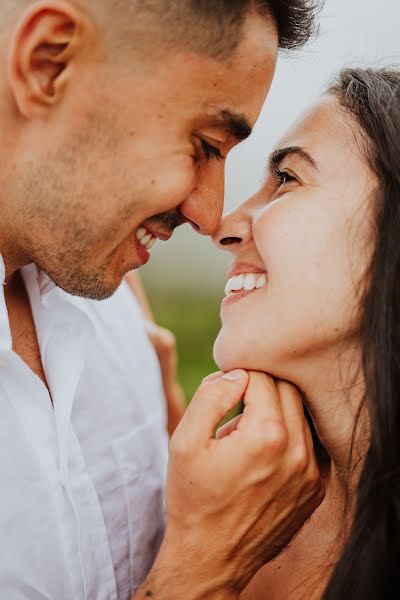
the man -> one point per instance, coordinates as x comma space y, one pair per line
115, 116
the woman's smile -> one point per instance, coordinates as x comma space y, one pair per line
244, 279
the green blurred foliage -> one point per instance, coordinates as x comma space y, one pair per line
194, 319
195, 322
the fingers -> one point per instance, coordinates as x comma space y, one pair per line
227, 429
212, 402
261, 401
292, 412
299, 433
300, 449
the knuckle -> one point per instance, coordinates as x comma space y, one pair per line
179, 447
314, 479
288, 389
272, 437
166, 341
299, 459
267, 380
169, 340
265, 376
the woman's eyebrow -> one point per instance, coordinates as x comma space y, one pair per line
279, 155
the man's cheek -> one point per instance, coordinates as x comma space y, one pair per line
172, 185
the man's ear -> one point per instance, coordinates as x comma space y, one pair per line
44, 50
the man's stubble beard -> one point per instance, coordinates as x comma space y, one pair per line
54, 233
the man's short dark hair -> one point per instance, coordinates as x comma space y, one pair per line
214, 27
295, 20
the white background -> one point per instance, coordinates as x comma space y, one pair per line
352, 33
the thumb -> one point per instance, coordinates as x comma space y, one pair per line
212, 402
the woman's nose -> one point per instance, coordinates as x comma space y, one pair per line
234, 231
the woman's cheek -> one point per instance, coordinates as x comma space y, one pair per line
276, 233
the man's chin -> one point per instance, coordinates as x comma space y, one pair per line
87, 286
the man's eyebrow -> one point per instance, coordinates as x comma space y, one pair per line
279, 155
236, 123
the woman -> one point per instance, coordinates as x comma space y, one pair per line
313, 298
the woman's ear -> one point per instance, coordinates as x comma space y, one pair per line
44, 49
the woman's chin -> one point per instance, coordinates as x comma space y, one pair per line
230, 353
226, 355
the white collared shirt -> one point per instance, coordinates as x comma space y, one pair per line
81, 485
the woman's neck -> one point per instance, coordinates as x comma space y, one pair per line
334, 390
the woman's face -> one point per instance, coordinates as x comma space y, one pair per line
309, 231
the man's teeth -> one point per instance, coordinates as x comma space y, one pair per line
146, 238
248, 282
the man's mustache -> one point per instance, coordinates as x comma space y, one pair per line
168, 220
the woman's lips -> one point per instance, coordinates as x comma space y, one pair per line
246, 281
236, 297
242, 285
239, 268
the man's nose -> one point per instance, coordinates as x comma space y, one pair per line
204, 207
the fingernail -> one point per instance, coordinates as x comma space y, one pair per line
235, 375
212, 377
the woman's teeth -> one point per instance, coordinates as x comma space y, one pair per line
247, 283
146, 238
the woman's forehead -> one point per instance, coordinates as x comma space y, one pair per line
326, 132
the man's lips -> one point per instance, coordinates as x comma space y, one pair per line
142, 252
145, 238
164, 236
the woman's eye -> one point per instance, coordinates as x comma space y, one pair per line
211, 151
283, 177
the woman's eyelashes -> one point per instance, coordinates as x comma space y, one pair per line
282, 177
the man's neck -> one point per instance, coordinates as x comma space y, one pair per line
13, 262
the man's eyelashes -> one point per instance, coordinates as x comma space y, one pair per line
211, 151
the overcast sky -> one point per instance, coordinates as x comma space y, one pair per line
353, 33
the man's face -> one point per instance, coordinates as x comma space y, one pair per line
133, 152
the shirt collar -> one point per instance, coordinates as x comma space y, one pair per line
5, 332
2, 271
46, 285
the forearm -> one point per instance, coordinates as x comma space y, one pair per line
164, 586
175, 575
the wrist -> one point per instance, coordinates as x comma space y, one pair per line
182, 571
